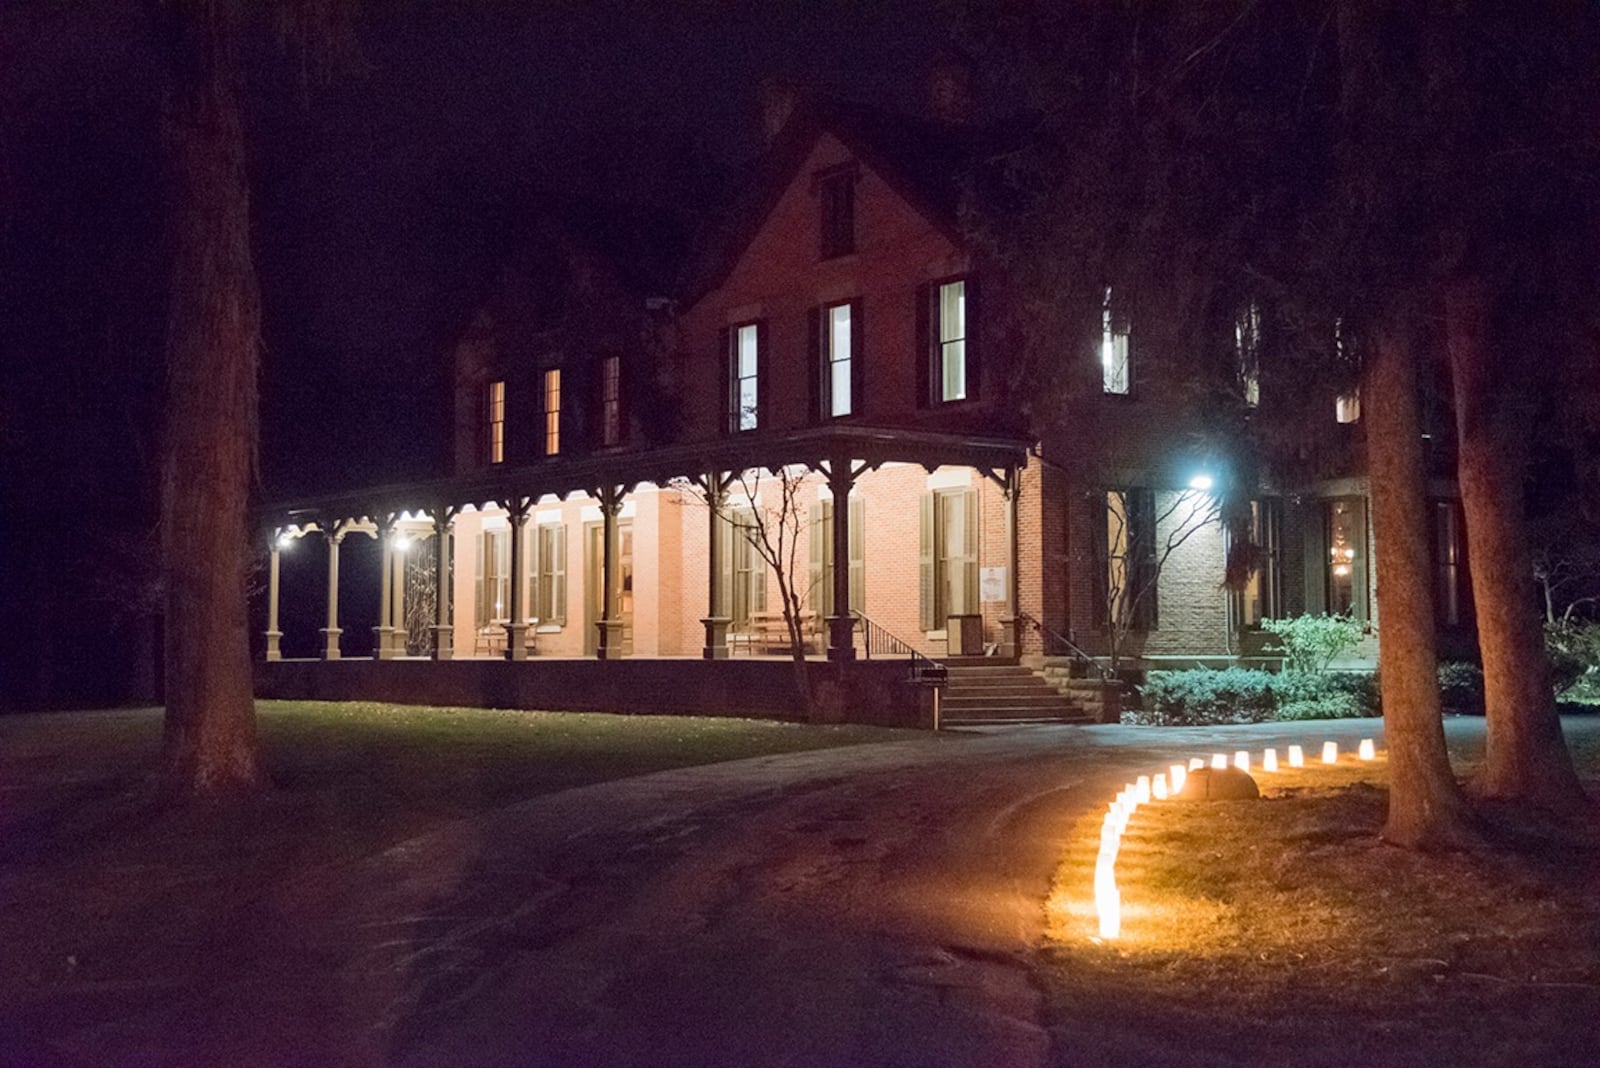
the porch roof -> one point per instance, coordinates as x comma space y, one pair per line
812, 447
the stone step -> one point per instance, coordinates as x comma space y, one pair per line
1032, 700
967, 720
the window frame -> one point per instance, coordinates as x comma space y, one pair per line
831, 361
736, 413
550, 411
610, 401
494, 424
941, 345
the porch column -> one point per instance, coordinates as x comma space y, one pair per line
609, 645
397, 603
841, 625
274, 635
383, 632
444, 536
1009, 643
330, 633
517, 627
716, 624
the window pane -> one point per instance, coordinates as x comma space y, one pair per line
839, 360
747, 368
952, 341
552, 412
1113, 350
1344, 536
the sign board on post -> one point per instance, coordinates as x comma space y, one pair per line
992, 585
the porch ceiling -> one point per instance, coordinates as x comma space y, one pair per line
813, 447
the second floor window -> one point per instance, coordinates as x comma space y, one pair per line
951, 355
1113, 348
611, 400
838, 358
744, 367
837, 195
494, 441
550, 405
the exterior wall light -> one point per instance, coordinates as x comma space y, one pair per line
1201, 482
284, 541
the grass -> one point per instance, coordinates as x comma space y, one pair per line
1284, 931
94, 870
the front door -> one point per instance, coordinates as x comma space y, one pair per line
593, 562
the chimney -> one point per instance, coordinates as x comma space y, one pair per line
950, 87
778, 100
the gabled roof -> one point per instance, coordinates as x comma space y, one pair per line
923, 161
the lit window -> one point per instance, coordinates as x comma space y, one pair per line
744, 365
836, 357
837, 194
1263, 589
952, 353
611, 400
495, 440
1346, 536
494, 577
1113, 349
1347, 407
1247, 339
552, 411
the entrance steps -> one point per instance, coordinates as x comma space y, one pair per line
992, 692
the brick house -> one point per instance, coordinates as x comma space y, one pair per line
624, 437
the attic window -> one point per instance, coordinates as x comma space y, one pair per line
836, 195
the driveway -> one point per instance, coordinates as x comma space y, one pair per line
872, 905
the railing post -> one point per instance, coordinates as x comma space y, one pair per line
715, 621
517, 626
1010, 636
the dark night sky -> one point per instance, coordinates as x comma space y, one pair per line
376, 190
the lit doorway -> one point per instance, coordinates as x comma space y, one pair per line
593, 560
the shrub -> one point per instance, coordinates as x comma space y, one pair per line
1327, 694
1202, 697
1461, 688
1311, 643
1334, 704
1574, 652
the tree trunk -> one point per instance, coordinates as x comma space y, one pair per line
209, 743
1525, 755
1426, 808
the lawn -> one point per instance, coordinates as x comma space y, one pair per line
1282, 931
96, 876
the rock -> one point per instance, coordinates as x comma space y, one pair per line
1219, 784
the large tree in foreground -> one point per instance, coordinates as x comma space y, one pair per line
213, 356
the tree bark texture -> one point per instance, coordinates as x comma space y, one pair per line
1525, 757
209, 743
1426, 808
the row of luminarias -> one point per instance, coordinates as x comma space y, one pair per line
1159, 787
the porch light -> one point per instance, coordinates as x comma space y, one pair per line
284, 541
1330, 752
401, 543
1269, 760
1297, 757
1368, 751
1176, 776
1201, 482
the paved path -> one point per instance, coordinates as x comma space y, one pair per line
875, 905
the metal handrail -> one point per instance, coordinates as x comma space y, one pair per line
874, 638
1048, 635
